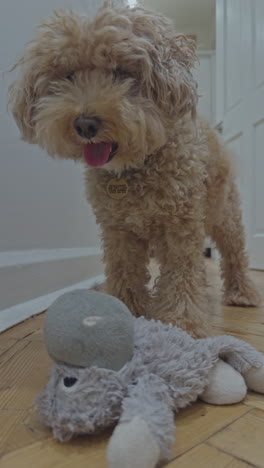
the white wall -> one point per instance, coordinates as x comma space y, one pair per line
240, 108
42, 201
205, 76
205, 35
190, 17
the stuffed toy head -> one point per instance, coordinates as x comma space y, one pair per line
91, 337
111, 368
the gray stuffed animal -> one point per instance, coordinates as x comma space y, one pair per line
112, 368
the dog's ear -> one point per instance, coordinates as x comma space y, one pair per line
33, 73
23, 93
166, 73
173, 85
40, 64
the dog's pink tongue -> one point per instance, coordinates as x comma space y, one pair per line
97, 154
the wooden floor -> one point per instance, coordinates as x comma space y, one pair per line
207, 436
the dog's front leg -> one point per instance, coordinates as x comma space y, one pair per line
180, 294
127, 276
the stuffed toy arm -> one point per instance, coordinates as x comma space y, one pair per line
146, 429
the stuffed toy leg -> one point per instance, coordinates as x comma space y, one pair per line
230, 380
227, 386
146, 428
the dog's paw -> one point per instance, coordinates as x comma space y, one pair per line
243, 295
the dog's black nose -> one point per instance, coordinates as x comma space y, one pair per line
87, 127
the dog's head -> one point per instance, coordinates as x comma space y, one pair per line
107, 90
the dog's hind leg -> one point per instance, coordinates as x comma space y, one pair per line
228, 233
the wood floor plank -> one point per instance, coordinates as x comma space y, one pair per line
199, 421
25, 329
256, 400
82, 453
239, 314
240, 325
13, 349
205, 456
243, 438
24, 375
5, 345
17, 430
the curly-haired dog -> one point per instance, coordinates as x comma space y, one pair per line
117, 93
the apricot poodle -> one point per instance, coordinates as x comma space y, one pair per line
116, 92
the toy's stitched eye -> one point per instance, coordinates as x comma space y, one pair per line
70, 77
69, 381
121, 74
68, 384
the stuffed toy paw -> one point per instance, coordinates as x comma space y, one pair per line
112, 369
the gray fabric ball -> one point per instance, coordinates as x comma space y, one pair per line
84, 328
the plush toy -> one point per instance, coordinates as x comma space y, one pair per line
112, 368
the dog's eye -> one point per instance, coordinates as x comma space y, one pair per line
121, 74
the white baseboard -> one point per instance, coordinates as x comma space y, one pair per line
26, 257
20, 312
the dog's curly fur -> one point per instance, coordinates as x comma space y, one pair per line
129, 68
